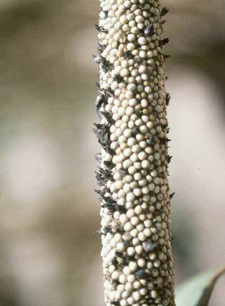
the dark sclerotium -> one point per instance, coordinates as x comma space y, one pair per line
149, 246
128, 55
149, 30
164, 11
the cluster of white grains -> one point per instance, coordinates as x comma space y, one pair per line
135, 211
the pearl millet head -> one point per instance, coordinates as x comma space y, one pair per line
133, 177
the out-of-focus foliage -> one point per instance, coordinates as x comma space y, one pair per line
48, 209
197, 290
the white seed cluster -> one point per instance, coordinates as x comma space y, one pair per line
135, 212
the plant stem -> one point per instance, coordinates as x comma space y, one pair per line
135, 199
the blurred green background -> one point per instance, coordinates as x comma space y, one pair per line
48, 209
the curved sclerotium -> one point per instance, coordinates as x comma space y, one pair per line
135, 200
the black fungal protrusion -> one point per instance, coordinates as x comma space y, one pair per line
172, 195
166, 56
123, 172
118, 254
115, 261
149, 246
110, 207
164, 11
164, 41
100, 100
102, 133
116, 282
107, 229
106, 13
128, 55
110, 92
103, 176
129, 259
118, 78
149, 141
106, 65
107, 117
164, 140
135, 130
101, 47
149, 30
121, 208
116, 303
100, 29
141, 274
168, 158
120, 230
100, 192
108, 164
108, 200
167, 98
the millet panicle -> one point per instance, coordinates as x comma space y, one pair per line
133, 128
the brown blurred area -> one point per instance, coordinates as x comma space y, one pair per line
48, 210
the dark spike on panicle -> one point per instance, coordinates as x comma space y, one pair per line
102, 133
101, 48
149, 246
162, 22
121, 209
100, 192
150, 139
149, 30
128, 55
172, 195
100, 29
109, 164
106, 65
167, 98
164, 140
107, 92
169, 157
120, 230
110, 92
135, 130
97, 84
116, 282
118, 78
100, 100
108, 200
123, 172
116, 303
114, 261
118, 254
166, 78
164, 11
141, 274
108, 117
97, 27
166, 56
164, 41
111, 208
103, 176
107, 229
106, 13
